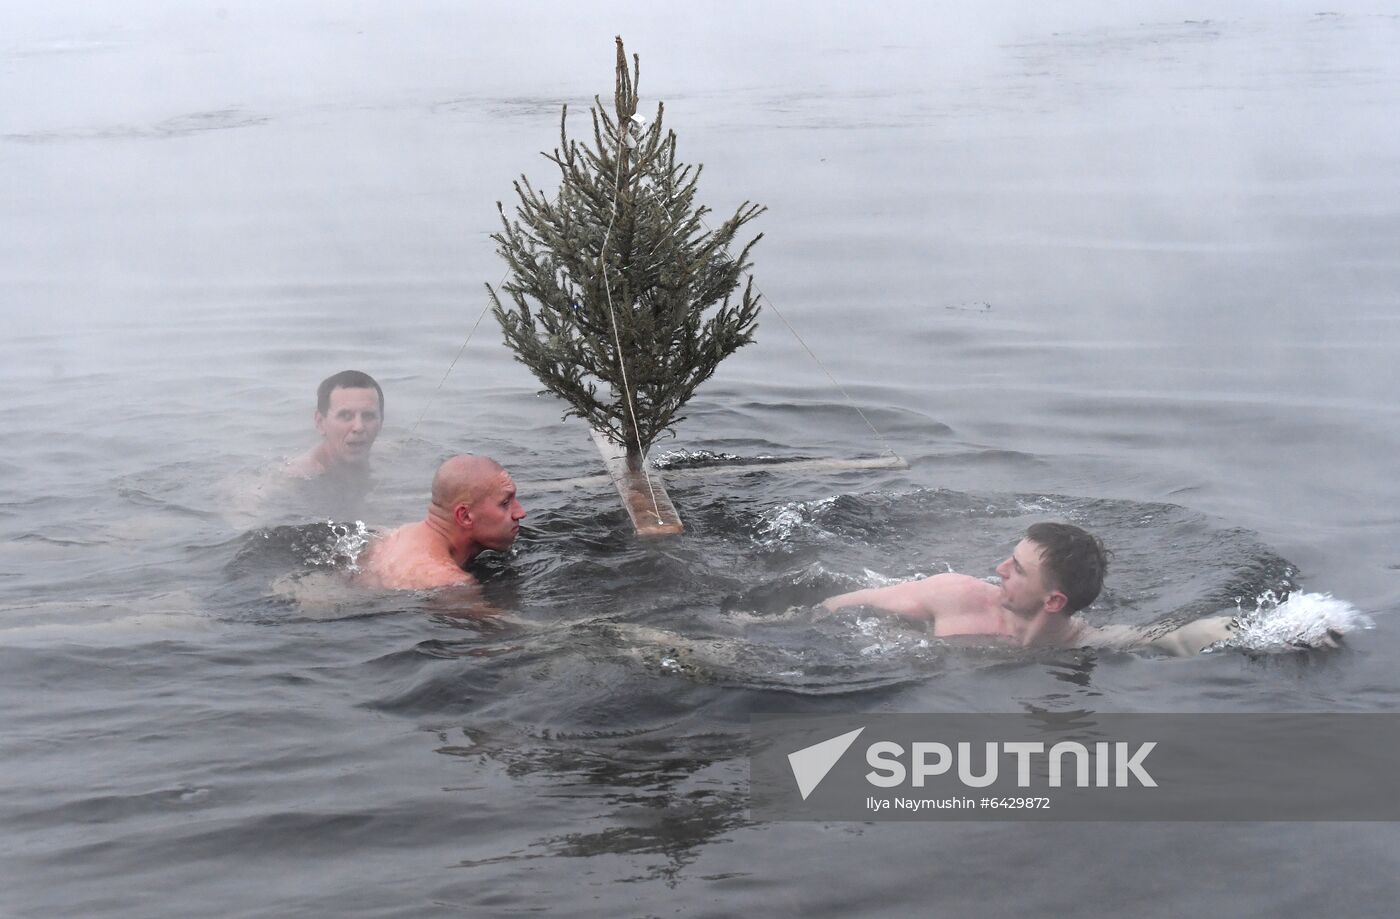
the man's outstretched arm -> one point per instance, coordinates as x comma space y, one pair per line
1194, 637
912, 599
1183, 641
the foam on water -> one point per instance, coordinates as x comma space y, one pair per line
688, 459
785, 522
874, 578
343, 549
138, 629
888, 638
1301, 619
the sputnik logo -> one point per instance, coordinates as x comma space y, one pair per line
811, 764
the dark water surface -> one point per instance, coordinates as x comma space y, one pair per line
1137, 269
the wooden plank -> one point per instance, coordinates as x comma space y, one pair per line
801, 465
643, 493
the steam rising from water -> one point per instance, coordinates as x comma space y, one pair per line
1180, 229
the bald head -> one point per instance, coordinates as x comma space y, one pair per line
464, 480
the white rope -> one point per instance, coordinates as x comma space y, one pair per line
443, 381
612, 314
839, 388
812, 354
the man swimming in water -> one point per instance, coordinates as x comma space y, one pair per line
473, 508
349, 416
1053, 573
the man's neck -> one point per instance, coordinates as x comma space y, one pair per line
460, 547
340, 469
1055, 629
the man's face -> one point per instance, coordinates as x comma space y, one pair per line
350, 425
496, 515
1023, 587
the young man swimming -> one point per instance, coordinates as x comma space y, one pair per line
1053, 573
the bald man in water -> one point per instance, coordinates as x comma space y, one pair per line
473, 508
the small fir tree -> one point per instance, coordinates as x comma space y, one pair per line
612, 278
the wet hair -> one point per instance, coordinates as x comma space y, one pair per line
346, 379
1074, 561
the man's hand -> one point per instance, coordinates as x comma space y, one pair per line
1331, 640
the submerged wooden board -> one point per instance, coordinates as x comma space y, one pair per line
643, 493
800, 465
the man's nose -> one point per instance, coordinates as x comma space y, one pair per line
519, 513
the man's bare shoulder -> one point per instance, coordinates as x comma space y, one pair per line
409, 558
953, 579
306, 466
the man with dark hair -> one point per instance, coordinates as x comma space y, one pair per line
1053, 573
332, 479
1073, 561
349, 416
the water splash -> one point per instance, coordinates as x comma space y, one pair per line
690, 459
1299, 620
784, 523
343, 547
887, 638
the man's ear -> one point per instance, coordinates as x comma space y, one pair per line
462, 515
1055, 603
320, 421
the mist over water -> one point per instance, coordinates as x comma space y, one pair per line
1130, 267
